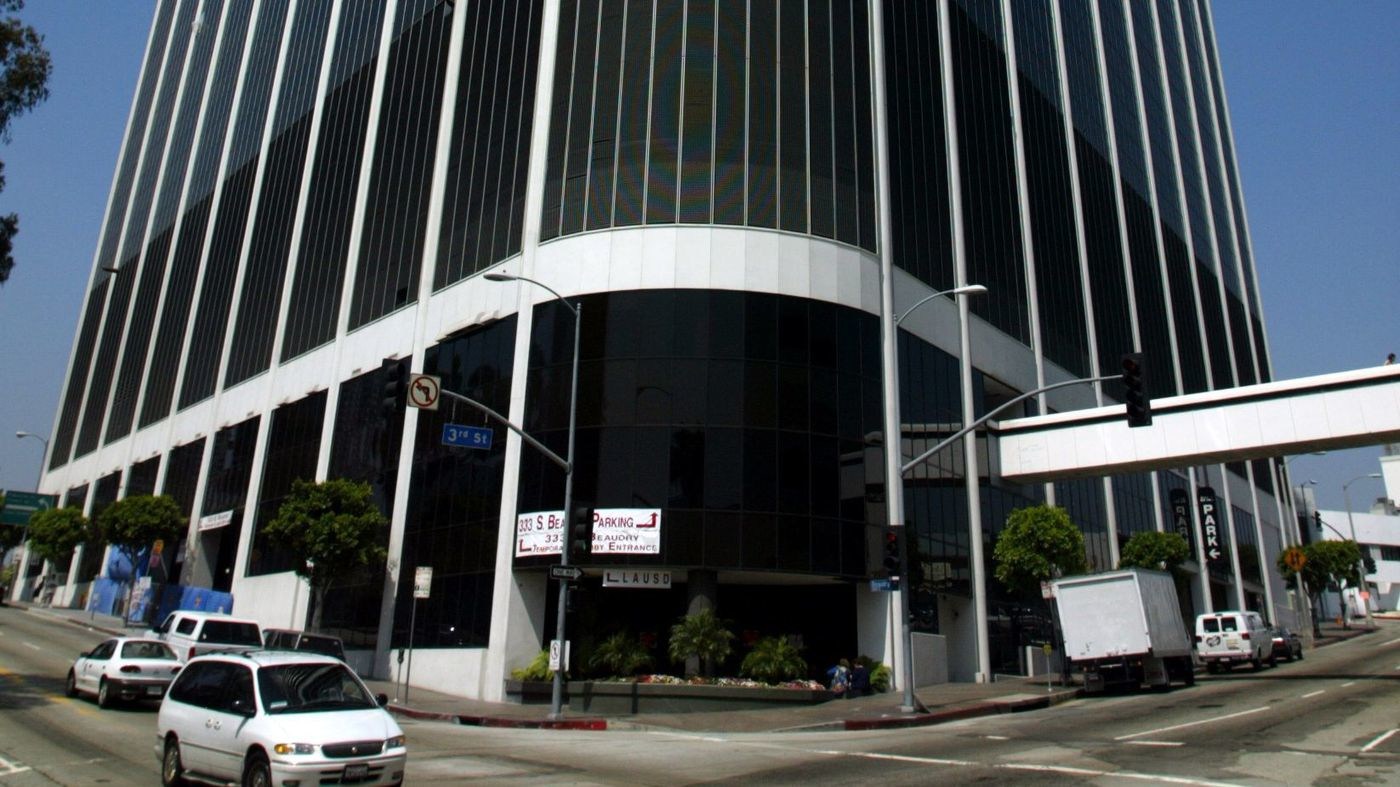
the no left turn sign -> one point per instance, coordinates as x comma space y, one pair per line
423, 391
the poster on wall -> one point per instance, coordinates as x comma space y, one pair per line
539, 533
627, 531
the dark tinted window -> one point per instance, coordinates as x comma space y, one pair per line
202, 684
229, 632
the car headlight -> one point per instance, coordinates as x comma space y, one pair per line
396, 742
295, 748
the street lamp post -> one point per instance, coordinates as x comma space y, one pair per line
556, 710
1360, 562
23, 571
894, 497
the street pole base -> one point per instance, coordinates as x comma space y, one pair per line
554, 716
917, 707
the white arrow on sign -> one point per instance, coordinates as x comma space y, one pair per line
1214, 554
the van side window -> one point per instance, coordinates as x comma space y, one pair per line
202, 684
1211, 625
1229, 624
185, 626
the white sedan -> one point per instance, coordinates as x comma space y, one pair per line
123, 668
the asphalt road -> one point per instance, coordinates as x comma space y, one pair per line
1331, 719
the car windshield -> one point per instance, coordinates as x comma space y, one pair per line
302, 688
231, 633
147, 650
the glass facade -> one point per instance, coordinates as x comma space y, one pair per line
291, 169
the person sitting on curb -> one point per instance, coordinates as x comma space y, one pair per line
860, 681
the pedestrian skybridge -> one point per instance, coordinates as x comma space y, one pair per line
1330, 411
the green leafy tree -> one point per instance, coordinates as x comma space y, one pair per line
1154, 550
702, 636
134, 524
56, 532
1327, 564
1038, 544
773, 659
24, 76
621, 654
332, 529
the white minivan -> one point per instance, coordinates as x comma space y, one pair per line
265, 718
1224, 639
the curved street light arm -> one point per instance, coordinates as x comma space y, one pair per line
556, 458
994, 412
503, 276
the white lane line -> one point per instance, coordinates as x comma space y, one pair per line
1349, 683
1378, 741
32, 645
1190, 724
11, 768
1154, 743
1086, 772
1387, 644
1314, 693
996, 737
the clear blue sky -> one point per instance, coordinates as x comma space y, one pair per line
1314, 91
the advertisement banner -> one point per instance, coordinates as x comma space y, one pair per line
627, 531
539, 533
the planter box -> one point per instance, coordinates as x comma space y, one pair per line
622, 699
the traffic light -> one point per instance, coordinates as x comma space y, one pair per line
889, 551
1139, 406
1368, 562
580, 533
395, 376
1317, 520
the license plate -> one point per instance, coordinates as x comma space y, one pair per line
1232, 642
154, 691
356, 772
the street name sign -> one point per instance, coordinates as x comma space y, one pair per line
884, 584
565, 572
462, 436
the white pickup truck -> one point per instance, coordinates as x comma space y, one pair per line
1124, 628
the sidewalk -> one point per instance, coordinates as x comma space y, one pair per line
944, 702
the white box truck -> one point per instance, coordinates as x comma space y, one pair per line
1124, 628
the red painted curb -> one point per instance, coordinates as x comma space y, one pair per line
421, 714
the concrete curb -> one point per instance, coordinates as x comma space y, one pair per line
958, 713
498, 721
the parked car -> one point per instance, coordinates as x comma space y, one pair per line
191, 633
273, 717
291, 639
123, 668
1286, 643
1224, 639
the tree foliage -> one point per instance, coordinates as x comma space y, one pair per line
773, 659
133, 524
56, 532
332, 529
622, 654
24, 76
1154, 550
1038, 543
1327, 564
701, 636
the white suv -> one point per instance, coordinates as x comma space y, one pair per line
262, 718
